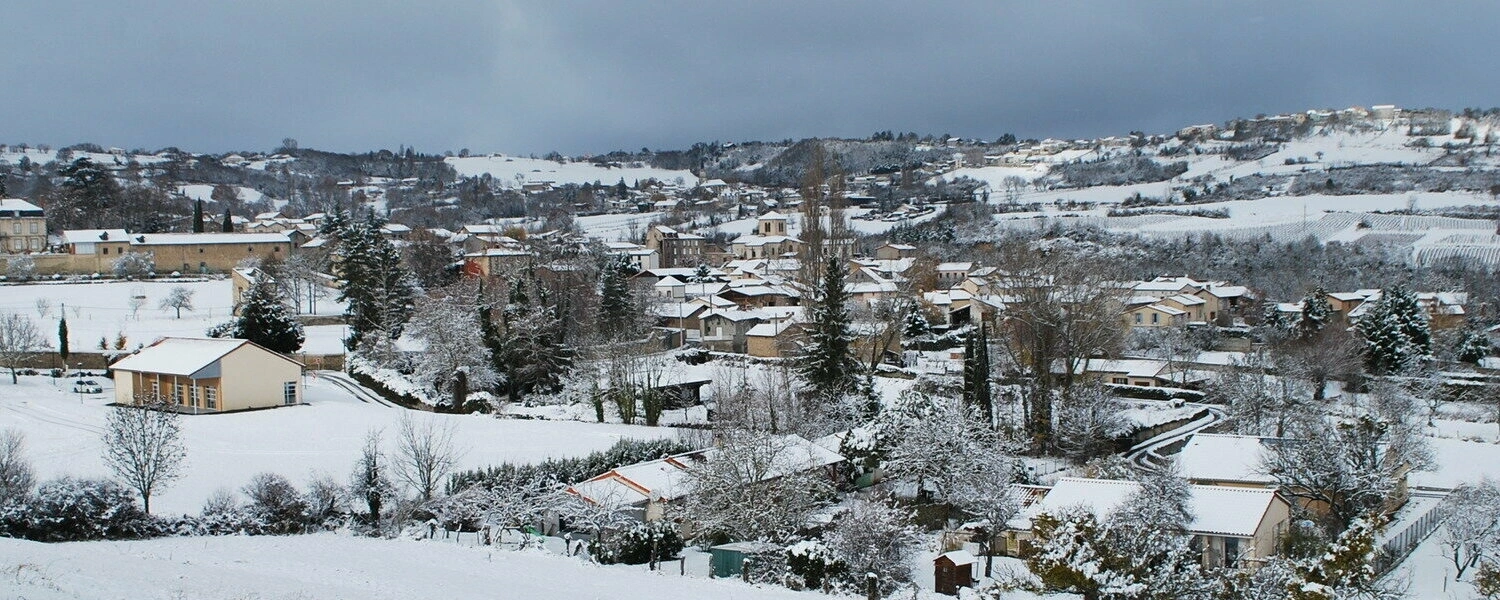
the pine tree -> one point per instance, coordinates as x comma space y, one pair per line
827, 367
615, 306
1412, 317
377, 288
1473, 346
1387, 349
1316, 313
198, 217
264, 319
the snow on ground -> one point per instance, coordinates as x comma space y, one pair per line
324, 436
205, 192
1459, 462
103, 309
512, 170
332, 566
616, 227
1429, 574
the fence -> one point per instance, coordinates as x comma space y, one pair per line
1397, 546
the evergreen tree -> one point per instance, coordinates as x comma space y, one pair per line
376, 287
827, 367
228, 225
264, 319
527, 348
1316, 313
198, 217
976, 394
1273, 319
616, 309
1473, 346
62, 337
1412, 318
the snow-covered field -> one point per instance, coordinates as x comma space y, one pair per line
103, 310
513, 170
62, 435
330, 566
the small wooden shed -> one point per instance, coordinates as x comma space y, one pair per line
727, 560
953, 570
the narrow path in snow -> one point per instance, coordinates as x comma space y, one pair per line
343, 382
1144, 454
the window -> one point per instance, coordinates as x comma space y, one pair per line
1155, 318
276, 248
155, 389
1138, 318
289, 392
1119, 380
16, 227
36, 227
105, 250
249, 248
177, 393
1231, 552
200, 251
193, 395
211, 397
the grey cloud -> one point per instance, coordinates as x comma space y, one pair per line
594, 76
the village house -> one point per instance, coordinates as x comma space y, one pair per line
1143, 315
646, 488
208, 375
676, 249
777, 339
1235, 461
1232, 527
892, 251
23, 227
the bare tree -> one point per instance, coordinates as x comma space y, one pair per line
143, 446
16, 476
20, 342
179, 298
425, 454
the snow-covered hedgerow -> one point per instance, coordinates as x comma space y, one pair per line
389, 382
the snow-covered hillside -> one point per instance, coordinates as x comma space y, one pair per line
515, 170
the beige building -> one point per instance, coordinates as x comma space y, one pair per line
209, 252
208, 375
23, 227
675, 249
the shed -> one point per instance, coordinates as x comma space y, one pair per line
728, 560
953, 570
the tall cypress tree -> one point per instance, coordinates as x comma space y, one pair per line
62, 337
198, 217
228, 225
827, 367
615, 306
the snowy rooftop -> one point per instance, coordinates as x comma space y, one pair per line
178, 356
1217, 510
1211, 457
88, 236
161, 239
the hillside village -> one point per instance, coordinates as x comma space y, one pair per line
1241, 360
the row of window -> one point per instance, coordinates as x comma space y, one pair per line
36, 227
209, 395
18, 244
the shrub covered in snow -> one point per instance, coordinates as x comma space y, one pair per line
68, 509
640, 543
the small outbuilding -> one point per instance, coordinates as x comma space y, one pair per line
953, 570
208, 375
728, 560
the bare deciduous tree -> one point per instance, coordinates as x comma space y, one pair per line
143, 446
180, 298
20, 342
425, 455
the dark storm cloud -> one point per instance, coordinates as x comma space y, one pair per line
594, 76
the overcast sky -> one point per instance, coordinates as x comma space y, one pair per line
589, 77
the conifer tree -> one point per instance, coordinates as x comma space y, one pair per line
827, 367
1316, 313
976, 395
198, 217
1473, 346
62, 338
228, 225
264, 319
615, 306
376, 286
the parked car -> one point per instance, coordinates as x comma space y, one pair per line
87, 386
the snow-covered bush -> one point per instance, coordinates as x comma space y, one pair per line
812, 565
277, 504
639, 544
134, 265
20, 268
68, 509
